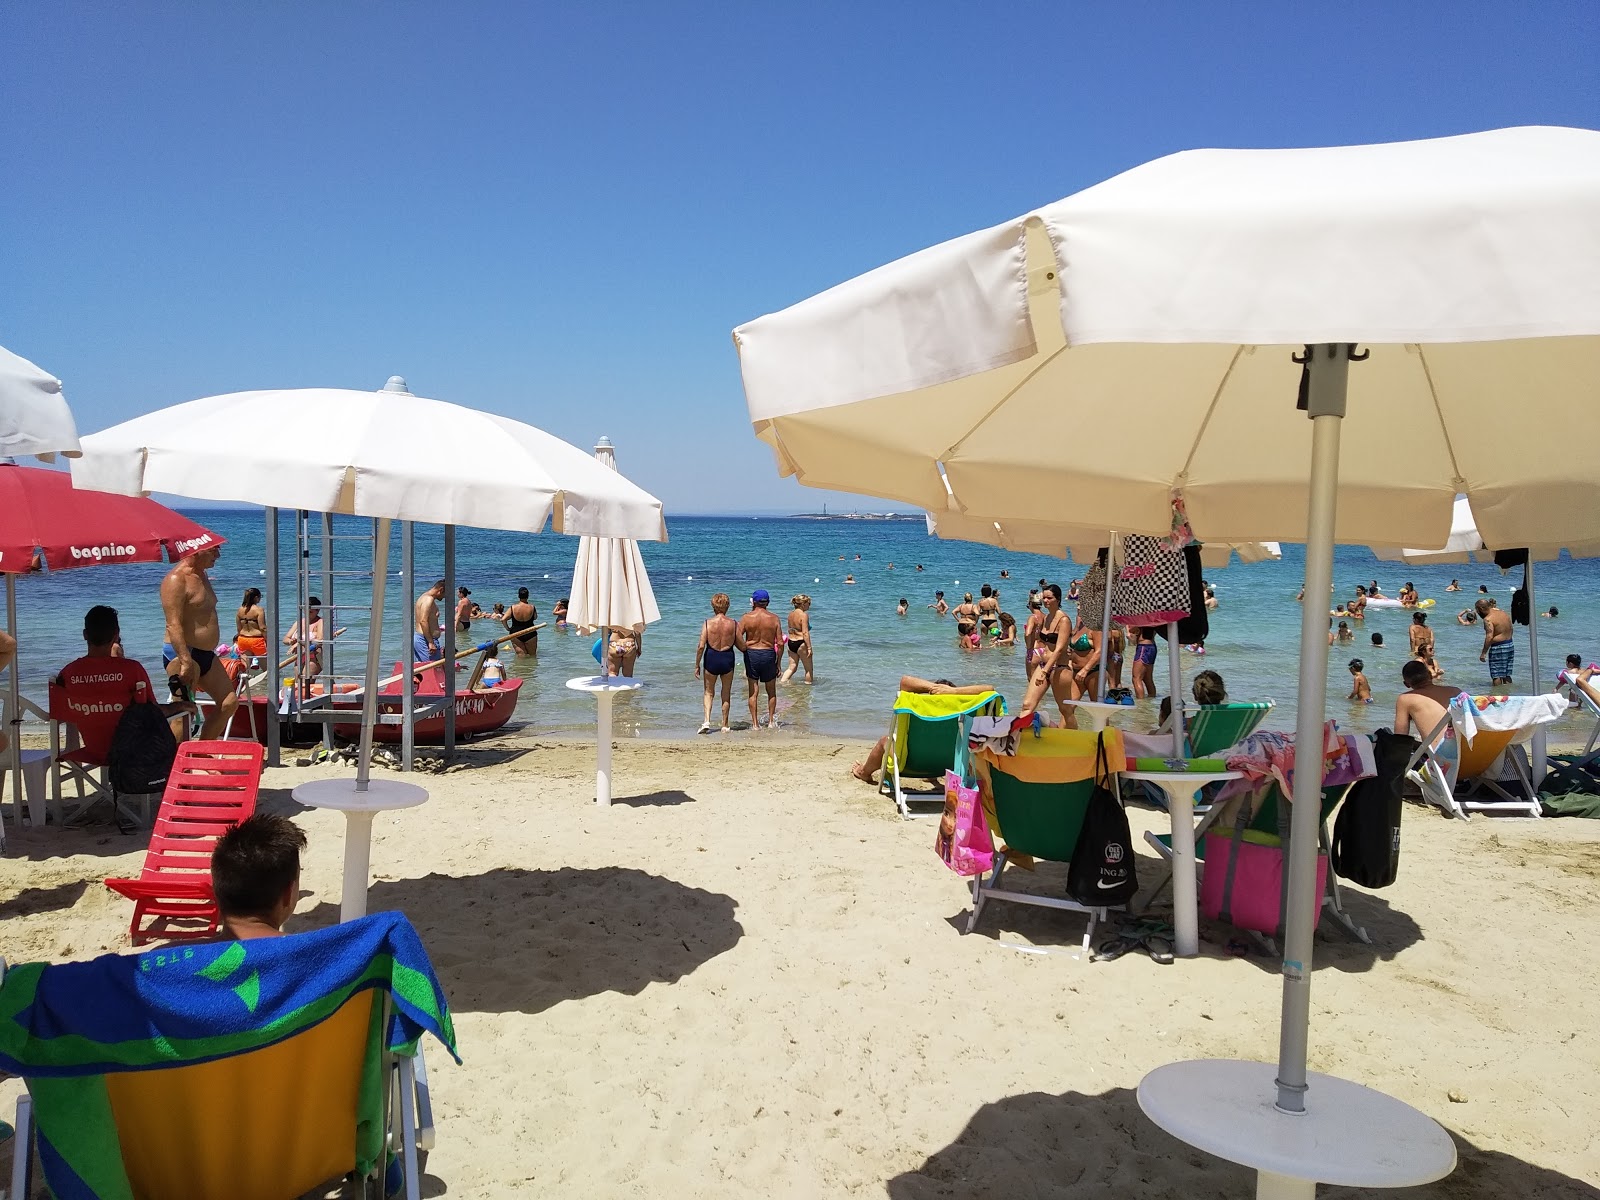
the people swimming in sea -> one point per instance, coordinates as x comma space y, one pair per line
713, 658
1377, 640
1360, 689
1072, 590
900, 609
1408, 595
966, 614
988, 610
1343, 633
1008, 630
1552, 611
939, 606
1467, 616
559, 612
1455, 586
850, 579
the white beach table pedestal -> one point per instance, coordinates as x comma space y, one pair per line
1348, 1135
1098, 713
382, 795
603, 687
1180, 787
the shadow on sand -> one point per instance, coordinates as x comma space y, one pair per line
1080, 1146
516, 940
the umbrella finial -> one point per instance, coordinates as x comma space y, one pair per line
397, 383
604, 443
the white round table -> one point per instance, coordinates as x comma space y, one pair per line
382, 795
1098, 712
603, 687
1179, 788
1348, 1135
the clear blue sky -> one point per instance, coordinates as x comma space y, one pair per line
559, 211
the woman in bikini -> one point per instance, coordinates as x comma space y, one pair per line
560, 613
1054, 672
713, 657
251, 622
520, 619
624, 646
1034, 652
1083, 657
463, 610
1144, 662
799, 639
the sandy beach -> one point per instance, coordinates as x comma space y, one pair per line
747, 978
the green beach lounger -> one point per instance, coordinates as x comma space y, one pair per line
928, 736
1213, 728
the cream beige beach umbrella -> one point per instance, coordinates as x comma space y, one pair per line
610, 590
1315, 345
34, 417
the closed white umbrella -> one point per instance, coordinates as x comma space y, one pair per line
1444, 294
34, 417
610, 590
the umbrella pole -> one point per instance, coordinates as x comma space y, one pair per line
13, 708
275, 645
1329, 371
449, 646
408, 693
1539, 761
369, 694
1175, 688
1105, 617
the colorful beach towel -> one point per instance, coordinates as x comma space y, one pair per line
66, 1027
1269, 754
1521, 713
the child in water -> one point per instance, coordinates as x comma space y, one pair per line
1360, 689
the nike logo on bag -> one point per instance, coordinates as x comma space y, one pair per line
1101, 883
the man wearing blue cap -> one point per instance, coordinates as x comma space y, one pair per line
759, 635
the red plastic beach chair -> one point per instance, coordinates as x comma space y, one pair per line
212, 787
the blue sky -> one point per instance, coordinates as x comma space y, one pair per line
559, 212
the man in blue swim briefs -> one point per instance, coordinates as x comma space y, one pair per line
190, 606
758, 636
425, 637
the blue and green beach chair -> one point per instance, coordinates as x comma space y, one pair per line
1035, 802
226, 1071
1209, 729
928, 737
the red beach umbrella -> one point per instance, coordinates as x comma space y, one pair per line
41, 511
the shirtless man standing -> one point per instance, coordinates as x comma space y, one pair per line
758, 637
1499, 650
425, 638
190, 606
1423, 703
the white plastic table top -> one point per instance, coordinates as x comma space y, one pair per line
1349, 1135
605, 683
1098, 711
381, 795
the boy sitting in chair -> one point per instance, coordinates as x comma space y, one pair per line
255, 873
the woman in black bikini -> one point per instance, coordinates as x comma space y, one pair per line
799, 639
1054, 672
519, 617
713, 657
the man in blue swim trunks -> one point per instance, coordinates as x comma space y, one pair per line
425, 638
758, 636
1498, 648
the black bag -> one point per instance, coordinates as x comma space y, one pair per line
142, 751
1366, 835
1102, 872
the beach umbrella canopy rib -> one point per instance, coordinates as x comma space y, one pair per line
34, 417
1312, 345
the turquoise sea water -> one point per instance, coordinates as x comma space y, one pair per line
863, 647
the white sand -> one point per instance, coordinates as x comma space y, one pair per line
747, 979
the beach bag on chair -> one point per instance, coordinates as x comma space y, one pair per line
1246, 878
963, 840
1102, 872
142, 751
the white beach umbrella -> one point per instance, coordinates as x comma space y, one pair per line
1445, 294
610, 590
34, 417
387, 454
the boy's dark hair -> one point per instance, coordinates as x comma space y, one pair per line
522, 593
254, 863
1377, 639
1419, 618
1208, 688
1415, 673
100, 625
1357, 665
1574, 660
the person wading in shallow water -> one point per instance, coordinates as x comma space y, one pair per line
760, 637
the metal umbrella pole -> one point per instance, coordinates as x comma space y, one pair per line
1105, 616
369, 693
1540, 761
13, 706
275, 644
